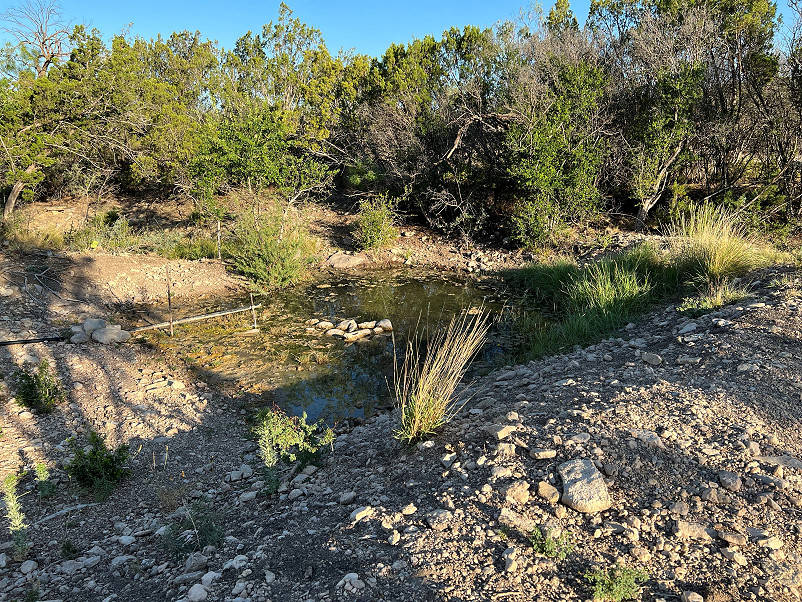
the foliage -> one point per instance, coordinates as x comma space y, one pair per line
43, 483
108, 231
200, 526
290, 439
99, 470
545, 543
375, 227
17, 527
272, 249
426, 381
617, 583
40, 390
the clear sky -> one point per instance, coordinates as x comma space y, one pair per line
367, 26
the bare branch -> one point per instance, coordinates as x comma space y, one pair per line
38, 26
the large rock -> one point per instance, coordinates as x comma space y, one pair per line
584, 488
93, 324
111, 334
341, 261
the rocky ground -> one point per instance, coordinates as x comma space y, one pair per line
686, 432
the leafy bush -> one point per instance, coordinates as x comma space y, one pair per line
375, 225
201, 526
544, 542
424, 386
617, 583
43, 482
99, 469
39, 390
273, 249
289, 438
17, 526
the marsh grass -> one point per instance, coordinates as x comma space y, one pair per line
425, 383
707, 249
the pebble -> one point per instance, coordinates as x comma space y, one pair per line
361, 513
584, 488
197, 593
28, 566
500, 431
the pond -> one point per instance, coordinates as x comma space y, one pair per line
294, 364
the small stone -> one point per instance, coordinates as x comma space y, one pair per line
110, 335
651, 358
394, 538
28, 566
448, 459
197, 593
734, 555
385, 325
500, 431
517, 492
409, 509
548, 492
729, 480
542, 454
236, 563
439, 519
324, 325
692, 597
196, 562
361, 513
510, 563
346, 498
270, 577
687, 530
690, 327
127, 540
79, 338
248, 496
735, 539
93, 324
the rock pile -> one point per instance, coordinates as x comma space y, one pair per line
99, 331
350, 330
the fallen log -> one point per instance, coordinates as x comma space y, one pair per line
215, 314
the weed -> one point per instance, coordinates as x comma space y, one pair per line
32, 595
39, 390
617, 583
68, 550
108, 231
201, 526
374, 228
545, 543
424, 386
716, 295
191, 248
43, 483
17, 526
99, 469
289, 438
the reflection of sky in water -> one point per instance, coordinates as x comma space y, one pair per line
354, 378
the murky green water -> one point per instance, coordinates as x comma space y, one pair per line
301, 369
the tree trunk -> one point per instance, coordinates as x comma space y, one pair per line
11, 201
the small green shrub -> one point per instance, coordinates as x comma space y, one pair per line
712, 297
43, 482
289, 438
189, 248
17, 526
99, 469
68, 550
201, 526
375, 228
617, 583
273, 250
39, 390
544, 542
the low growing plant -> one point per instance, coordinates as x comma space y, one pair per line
201, 526
375, 228
425, 383
99, 470
17, 527
616, 583
43, 482
290, 438
545, 543
108, 231
39, 390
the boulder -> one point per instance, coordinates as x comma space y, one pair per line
342, 261
584, 488
111, 334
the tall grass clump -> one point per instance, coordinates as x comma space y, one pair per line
710, 245
108, 231
374, 228
273, 249
426, 381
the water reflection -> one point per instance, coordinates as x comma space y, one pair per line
307, 371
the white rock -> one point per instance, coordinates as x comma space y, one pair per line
197, 593
584, 488
110, 335
28, 566
93, 324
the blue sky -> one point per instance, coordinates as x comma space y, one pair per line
367, 26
